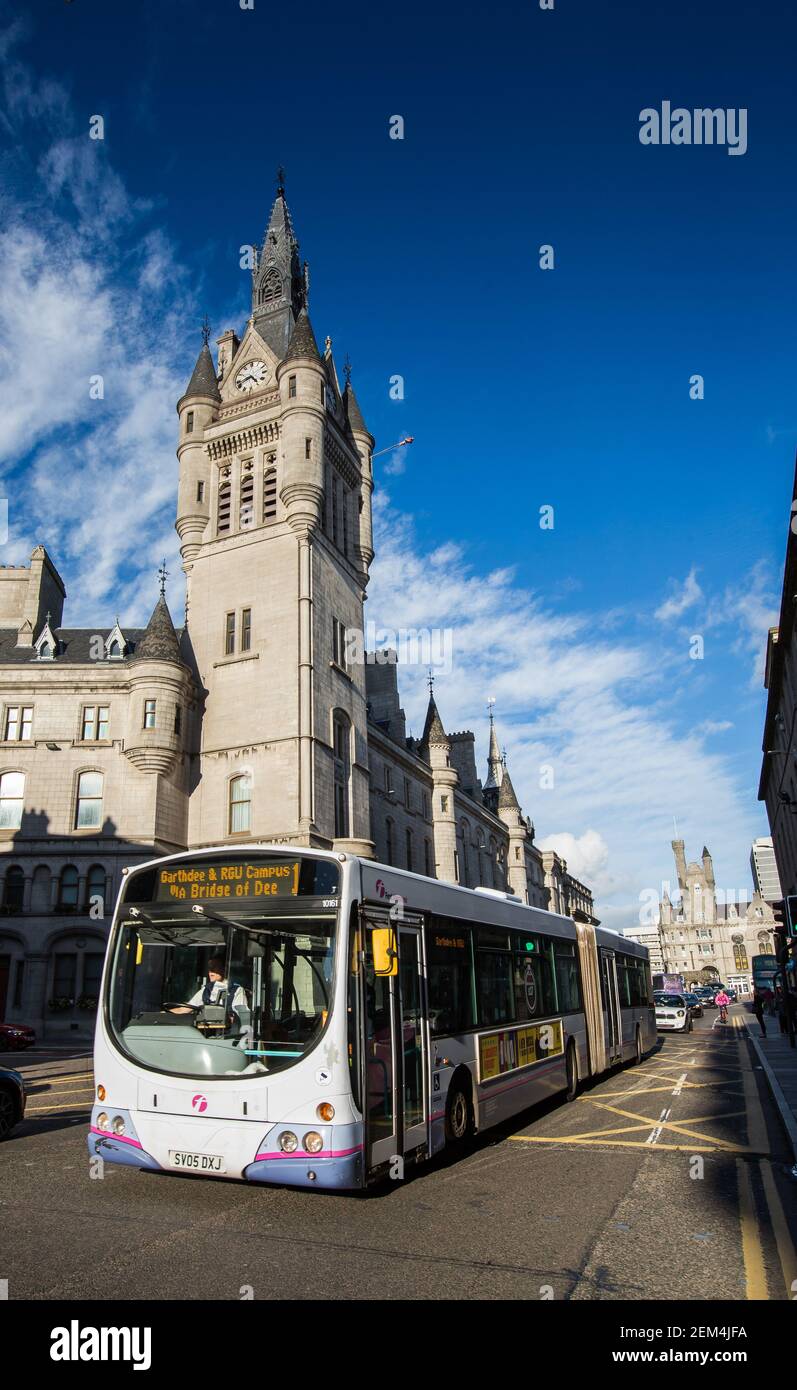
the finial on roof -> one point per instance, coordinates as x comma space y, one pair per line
347, 370
430, 681
47, 619
490, 703
163, 575
328, 343
205, 330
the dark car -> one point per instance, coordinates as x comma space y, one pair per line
12, 1101
695, 1003
15, 1037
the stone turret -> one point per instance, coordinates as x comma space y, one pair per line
680, 862
198, 408
364, 442
436, 749
510, 813
160, 684
301, 379
495, 770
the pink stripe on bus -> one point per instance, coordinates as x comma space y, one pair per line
324, 1153
117, 1138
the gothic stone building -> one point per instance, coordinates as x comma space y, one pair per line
703, 939
251, 722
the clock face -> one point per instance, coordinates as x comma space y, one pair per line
251, 375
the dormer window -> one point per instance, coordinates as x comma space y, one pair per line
115, 644
46, 643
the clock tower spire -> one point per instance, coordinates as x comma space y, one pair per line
279, 282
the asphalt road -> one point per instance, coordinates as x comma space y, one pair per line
669, 1180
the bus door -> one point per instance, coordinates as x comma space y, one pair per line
396, 1069
613, 1022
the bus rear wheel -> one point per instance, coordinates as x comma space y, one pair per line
572, 1071
459, 1121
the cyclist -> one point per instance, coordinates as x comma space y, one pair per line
722, 1001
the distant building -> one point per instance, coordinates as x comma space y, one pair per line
764, 869
704, 940
567, 894
650, 937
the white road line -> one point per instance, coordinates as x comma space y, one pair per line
679, 1084
656, 1133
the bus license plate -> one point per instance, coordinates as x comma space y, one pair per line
197, 1163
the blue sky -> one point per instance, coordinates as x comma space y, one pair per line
523, 387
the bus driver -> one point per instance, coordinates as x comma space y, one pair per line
215, 990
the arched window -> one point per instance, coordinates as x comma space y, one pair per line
114, 650
342, 772
12, 792
240, 805
223, 511
45, 651
67, 889
14, 889
389, 840
271, 288
270, 492
89, 801
95, 888
247, 500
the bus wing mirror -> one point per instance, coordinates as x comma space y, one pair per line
385, 949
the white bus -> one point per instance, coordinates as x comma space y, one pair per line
306, 1017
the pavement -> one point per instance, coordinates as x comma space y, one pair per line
779, 1063
666, 1180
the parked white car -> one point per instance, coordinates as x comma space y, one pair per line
673, 1014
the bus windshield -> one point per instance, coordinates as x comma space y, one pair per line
198, 995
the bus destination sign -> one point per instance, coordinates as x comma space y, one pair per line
233, 879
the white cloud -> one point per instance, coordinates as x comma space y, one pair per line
690, 593
586, 855
99, 474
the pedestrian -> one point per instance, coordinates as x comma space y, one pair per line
758, 1010
781, 1006
722, 1001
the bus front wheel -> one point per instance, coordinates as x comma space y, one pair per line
572, 1071
458, 1111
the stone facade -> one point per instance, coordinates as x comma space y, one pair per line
778, 784
255, 721
703, 939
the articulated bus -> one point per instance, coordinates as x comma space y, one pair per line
310, 1018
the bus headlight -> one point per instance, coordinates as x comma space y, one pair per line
288, 1142
118, 1125
102, 1121
313, 1142
325, 1111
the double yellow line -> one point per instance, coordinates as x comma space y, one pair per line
752, 1242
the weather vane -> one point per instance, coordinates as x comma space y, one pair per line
430, 681
205, 330
163, 575
490, 703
